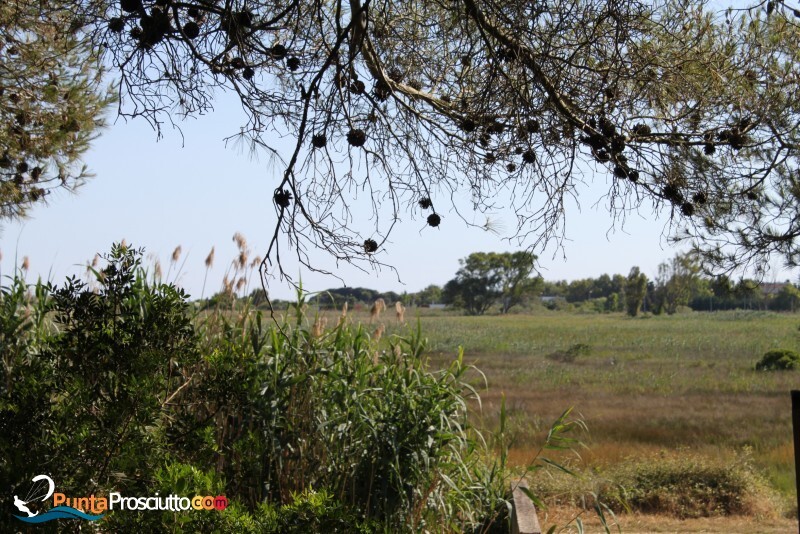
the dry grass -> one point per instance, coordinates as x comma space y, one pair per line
662, 385
377, 308
680, 384
652, 523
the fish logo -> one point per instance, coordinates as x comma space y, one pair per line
41, 490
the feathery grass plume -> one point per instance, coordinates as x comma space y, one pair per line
26, 264
319, 327
397, 351
256, 263
242, 259
376, 337
176, 254
400, 312
240, 284
377, 307
227, 286
378, 333
209, 264
343, 316
158, 270
241, 242
123, 244
90, 269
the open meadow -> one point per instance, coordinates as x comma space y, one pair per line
652, 390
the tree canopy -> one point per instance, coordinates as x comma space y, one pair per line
487, 277
677, 283
675, 107
635, 291
51, 100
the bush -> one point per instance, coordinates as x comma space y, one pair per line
779, 360
308, 407
687, 487
309, 511
571, 354
684, 487
83, 388
119, 387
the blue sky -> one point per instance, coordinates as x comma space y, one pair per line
195, 192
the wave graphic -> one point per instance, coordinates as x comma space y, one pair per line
60, 512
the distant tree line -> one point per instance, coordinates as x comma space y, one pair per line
335, 298
501, 281
484, 280
679, 283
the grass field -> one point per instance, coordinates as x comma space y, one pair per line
679, 386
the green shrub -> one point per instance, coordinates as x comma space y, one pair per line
685, 487
307, 408
571, 354
313, 511
84, 386
309, 511
689, 487
779, 360
120, 387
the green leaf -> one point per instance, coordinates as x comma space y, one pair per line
537, 502
560, 467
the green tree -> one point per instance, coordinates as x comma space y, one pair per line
258, 297
514, 270
488, 97
613, 303
725, 294
635, 291
721, 287
487, 277
603, 286
580, 290
594, 288
677, 283
52, 100
555, 289
430, 295
748, 293
473, 290
787, 299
